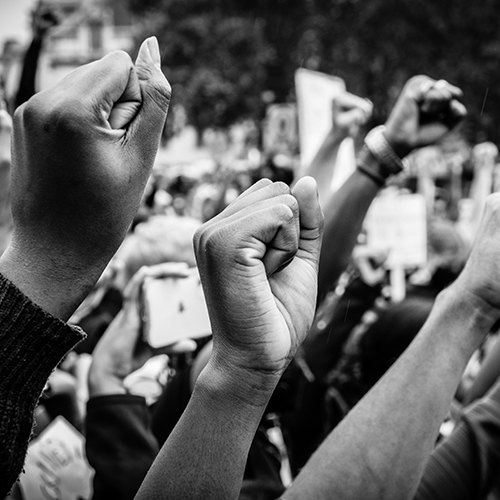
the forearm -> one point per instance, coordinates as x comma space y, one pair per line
344, 217
466, 464
31, 345
206, 453
323, 164
487, 376
380, 449
56, 281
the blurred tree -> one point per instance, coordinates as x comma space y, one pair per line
222, 56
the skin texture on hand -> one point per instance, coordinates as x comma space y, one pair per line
258, 265
260, 312
82, 153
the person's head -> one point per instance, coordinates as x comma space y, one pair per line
160, 239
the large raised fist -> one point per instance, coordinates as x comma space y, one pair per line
82, 152
424, 112
258, 263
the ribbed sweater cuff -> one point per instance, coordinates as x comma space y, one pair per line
32, 343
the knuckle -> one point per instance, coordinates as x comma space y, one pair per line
280, 188
285, 212
161, 92
120, 57
30, 113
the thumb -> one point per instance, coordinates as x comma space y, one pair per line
311, 220
156, 91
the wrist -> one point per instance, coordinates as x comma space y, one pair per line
103, 383
469, 308
55, 281
402, 149
236, 385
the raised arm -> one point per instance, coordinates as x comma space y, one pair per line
93, 134
258, 264
424, 112
381, 448
81, 154
465, 465
350, 112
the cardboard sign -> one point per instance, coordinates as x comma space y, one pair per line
315, 94
398, 223
175, 309
56, 467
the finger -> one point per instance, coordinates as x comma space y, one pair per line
105, 82
255, 187
454, 114
454, 91
282, 248
271, 235
265, 233
438, 97
261, 201
347, 101
261, 191
311, 219
147, 126
353, 117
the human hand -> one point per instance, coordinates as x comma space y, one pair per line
370, 263
82, 154
484, 155
43, 19
350, 112
425, 111
121, 351
258, 263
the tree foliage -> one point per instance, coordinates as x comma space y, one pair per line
221, 55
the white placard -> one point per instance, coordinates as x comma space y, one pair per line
398, 223
315, 93
175, 310
56, 467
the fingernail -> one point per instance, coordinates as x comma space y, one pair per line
154, 50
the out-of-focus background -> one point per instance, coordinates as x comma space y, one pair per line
229, 61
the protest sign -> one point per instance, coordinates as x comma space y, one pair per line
174, 309
398, 223
56, 467
315, 93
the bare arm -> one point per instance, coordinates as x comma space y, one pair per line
380, 449
260, 312
404, 131
95, 133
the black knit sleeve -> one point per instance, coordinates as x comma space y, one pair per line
32, 342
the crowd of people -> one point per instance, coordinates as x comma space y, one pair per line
312, 382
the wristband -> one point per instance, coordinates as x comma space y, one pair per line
374, 176
382, 151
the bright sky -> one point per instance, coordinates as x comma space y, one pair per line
14, 20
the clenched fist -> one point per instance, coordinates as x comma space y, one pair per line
258, 262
